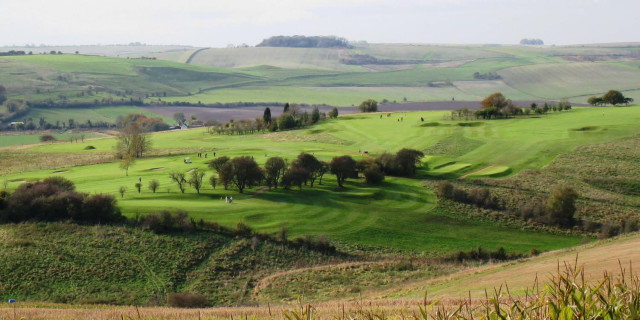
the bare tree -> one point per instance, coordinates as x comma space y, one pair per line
179, 178
196, 179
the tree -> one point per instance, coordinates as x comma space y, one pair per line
296, 176
342, 167
369, 105
266, 116
595, 101
407, 161
286, 121
179, 118
127, 161
315, 115
373, 174
212, 181
216, 164
245, 173
226, 174
286, 108
196, 179
153, 185
333, 113
3, 94
138, 186
274, 168
311, 164
324, 168
561, 205
495, 100
122, 190
132, 140
613, 97
47, 138
179, 178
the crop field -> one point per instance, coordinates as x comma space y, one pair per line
290, 58
323, 76
541, 80
596, 259
336, 96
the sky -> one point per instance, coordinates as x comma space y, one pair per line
215, 23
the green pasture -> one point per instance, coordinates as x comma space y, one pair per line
81, 115
26, 139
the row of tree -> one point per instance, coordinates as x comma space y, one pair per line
244, 172
497, 105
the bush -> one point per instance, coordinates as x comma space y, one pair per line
165, 222
609, 230
373, 174
54, 199
561, 206
444, 189
89, 148
187, 300
243, 230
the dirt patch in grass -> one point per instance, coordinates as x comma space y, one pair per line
478, 171
156, 169
587, 128
60, 171
455, 146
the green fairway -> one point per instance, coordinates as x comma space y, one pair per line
399, 214
25, 139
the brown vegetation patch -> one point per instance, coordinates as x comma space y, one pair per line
294, 136
447, 64
157, 169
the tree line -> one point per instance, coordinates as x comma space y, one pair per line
305, 42
497, 106
305, 170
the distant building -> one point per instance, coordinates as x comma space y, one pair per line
16, 123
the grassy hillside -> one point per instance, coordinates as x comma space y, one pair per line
605, 256
340, 77
67, 263
374, 216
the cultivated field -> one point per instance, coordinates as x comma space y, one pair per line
323, 76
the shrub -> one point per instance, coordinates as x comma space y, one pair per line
243, 230
444, 189
153, 185
165, 222
89, 148
373, 174
609, 230
54, 199
101, 208
187, 300
561, 205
